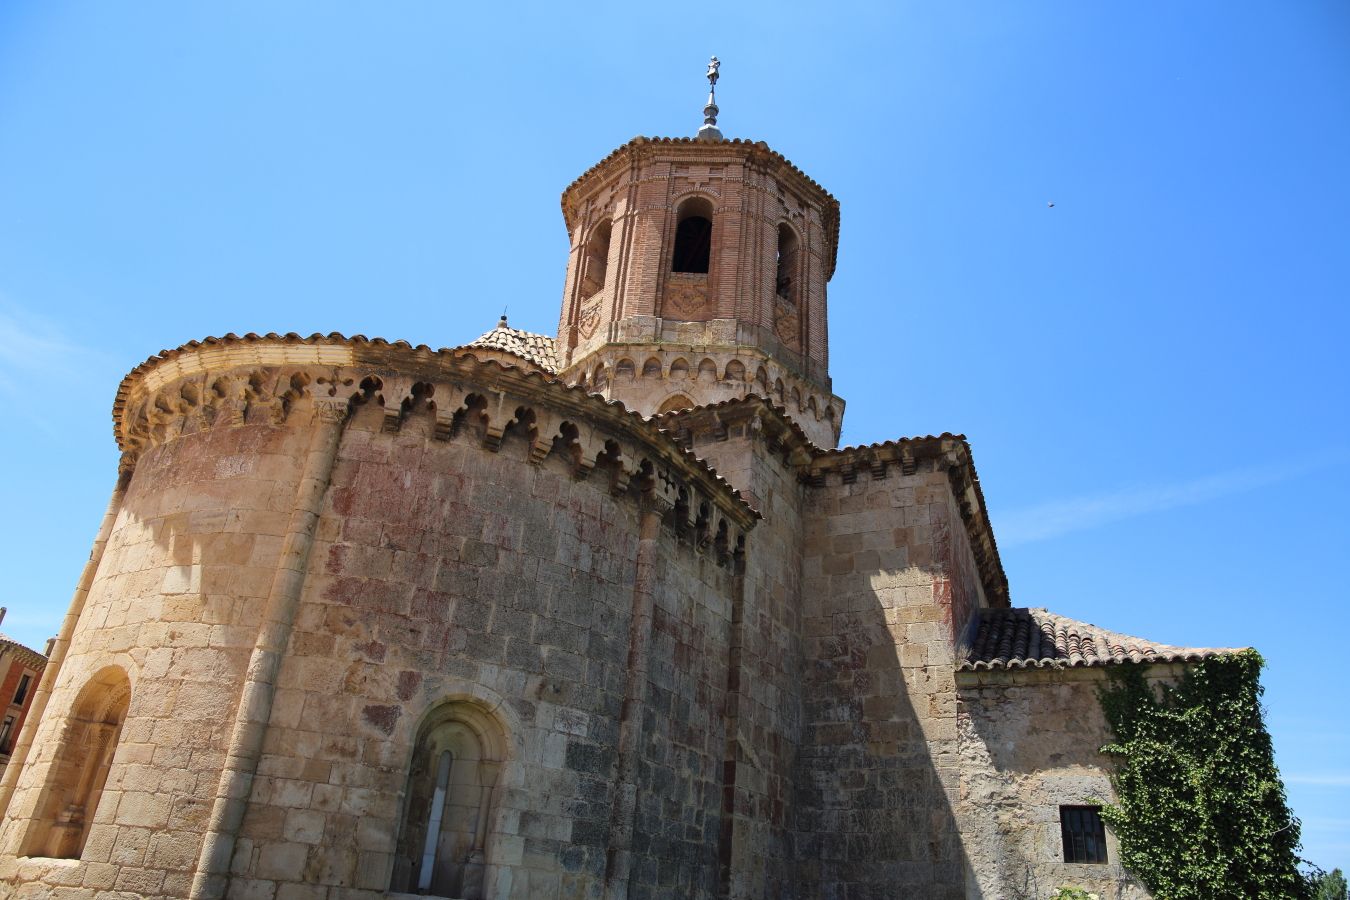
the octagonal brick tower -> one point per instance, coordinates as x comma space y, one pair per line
696, 274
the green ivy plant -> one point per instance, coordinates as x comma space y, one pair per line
1202, 812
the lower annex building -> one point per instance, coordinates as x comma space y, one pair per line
604, 615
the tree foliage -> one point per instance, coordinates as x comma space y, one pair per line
1202, 812
1331, 886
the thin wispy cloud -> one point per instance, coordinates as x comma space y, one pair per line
1059, 517
32, 346
36, 352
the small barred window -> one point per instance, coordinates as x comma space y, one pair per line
1084, 834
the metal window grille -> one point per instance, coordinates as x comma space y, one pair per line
1084, 835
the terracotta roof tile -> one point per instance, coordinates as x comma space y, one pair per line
1037, 638
538, 349
34, 659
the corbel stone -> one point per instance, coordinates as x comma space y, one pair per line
877, 464
618, 480
445, 414
908, 465
228, 407
394, 392
703, 535
541, 446
498, 421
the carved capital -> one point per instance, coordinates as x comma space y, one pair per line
655, 502
330, 410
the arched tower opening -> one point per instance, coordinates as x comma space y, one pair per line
596, 266
693, 237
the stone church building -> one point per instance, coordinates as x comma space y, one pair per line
606, 615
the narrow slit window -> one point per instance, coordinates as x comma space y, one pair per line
434, 822
785, 280
1083, 833
6, 734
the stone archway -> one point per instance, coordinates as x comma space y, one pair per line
80, 767
451, 794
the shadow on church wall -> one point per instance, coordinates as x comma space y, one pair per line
888, 584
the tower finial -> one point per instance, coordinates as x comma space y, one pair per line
709, 130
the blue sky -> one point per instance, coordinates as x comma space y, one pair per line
1152, 372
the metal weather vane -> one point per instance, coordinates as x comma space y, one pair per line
709, 131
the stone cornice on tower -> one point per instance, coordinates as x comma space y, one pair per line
266, 379
759, 418
713, 375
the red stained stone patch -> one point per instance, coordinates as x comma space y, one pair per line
432, 606
408, 683
372, 650
382, 717
337, 555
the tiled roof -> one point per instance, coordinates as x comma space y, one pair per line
1026, 638
534, 348
34, 659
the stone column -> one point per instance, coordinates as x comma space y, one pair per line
619, 866
738, 688
255, 702
62, 643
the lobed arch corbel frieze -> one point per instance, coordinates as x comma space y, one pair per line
680, 366
450, 396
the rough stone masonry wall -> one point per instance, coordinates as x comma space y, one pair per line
764, 704
175, 605
442, 570
1029, 743
680, 775
879, 767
